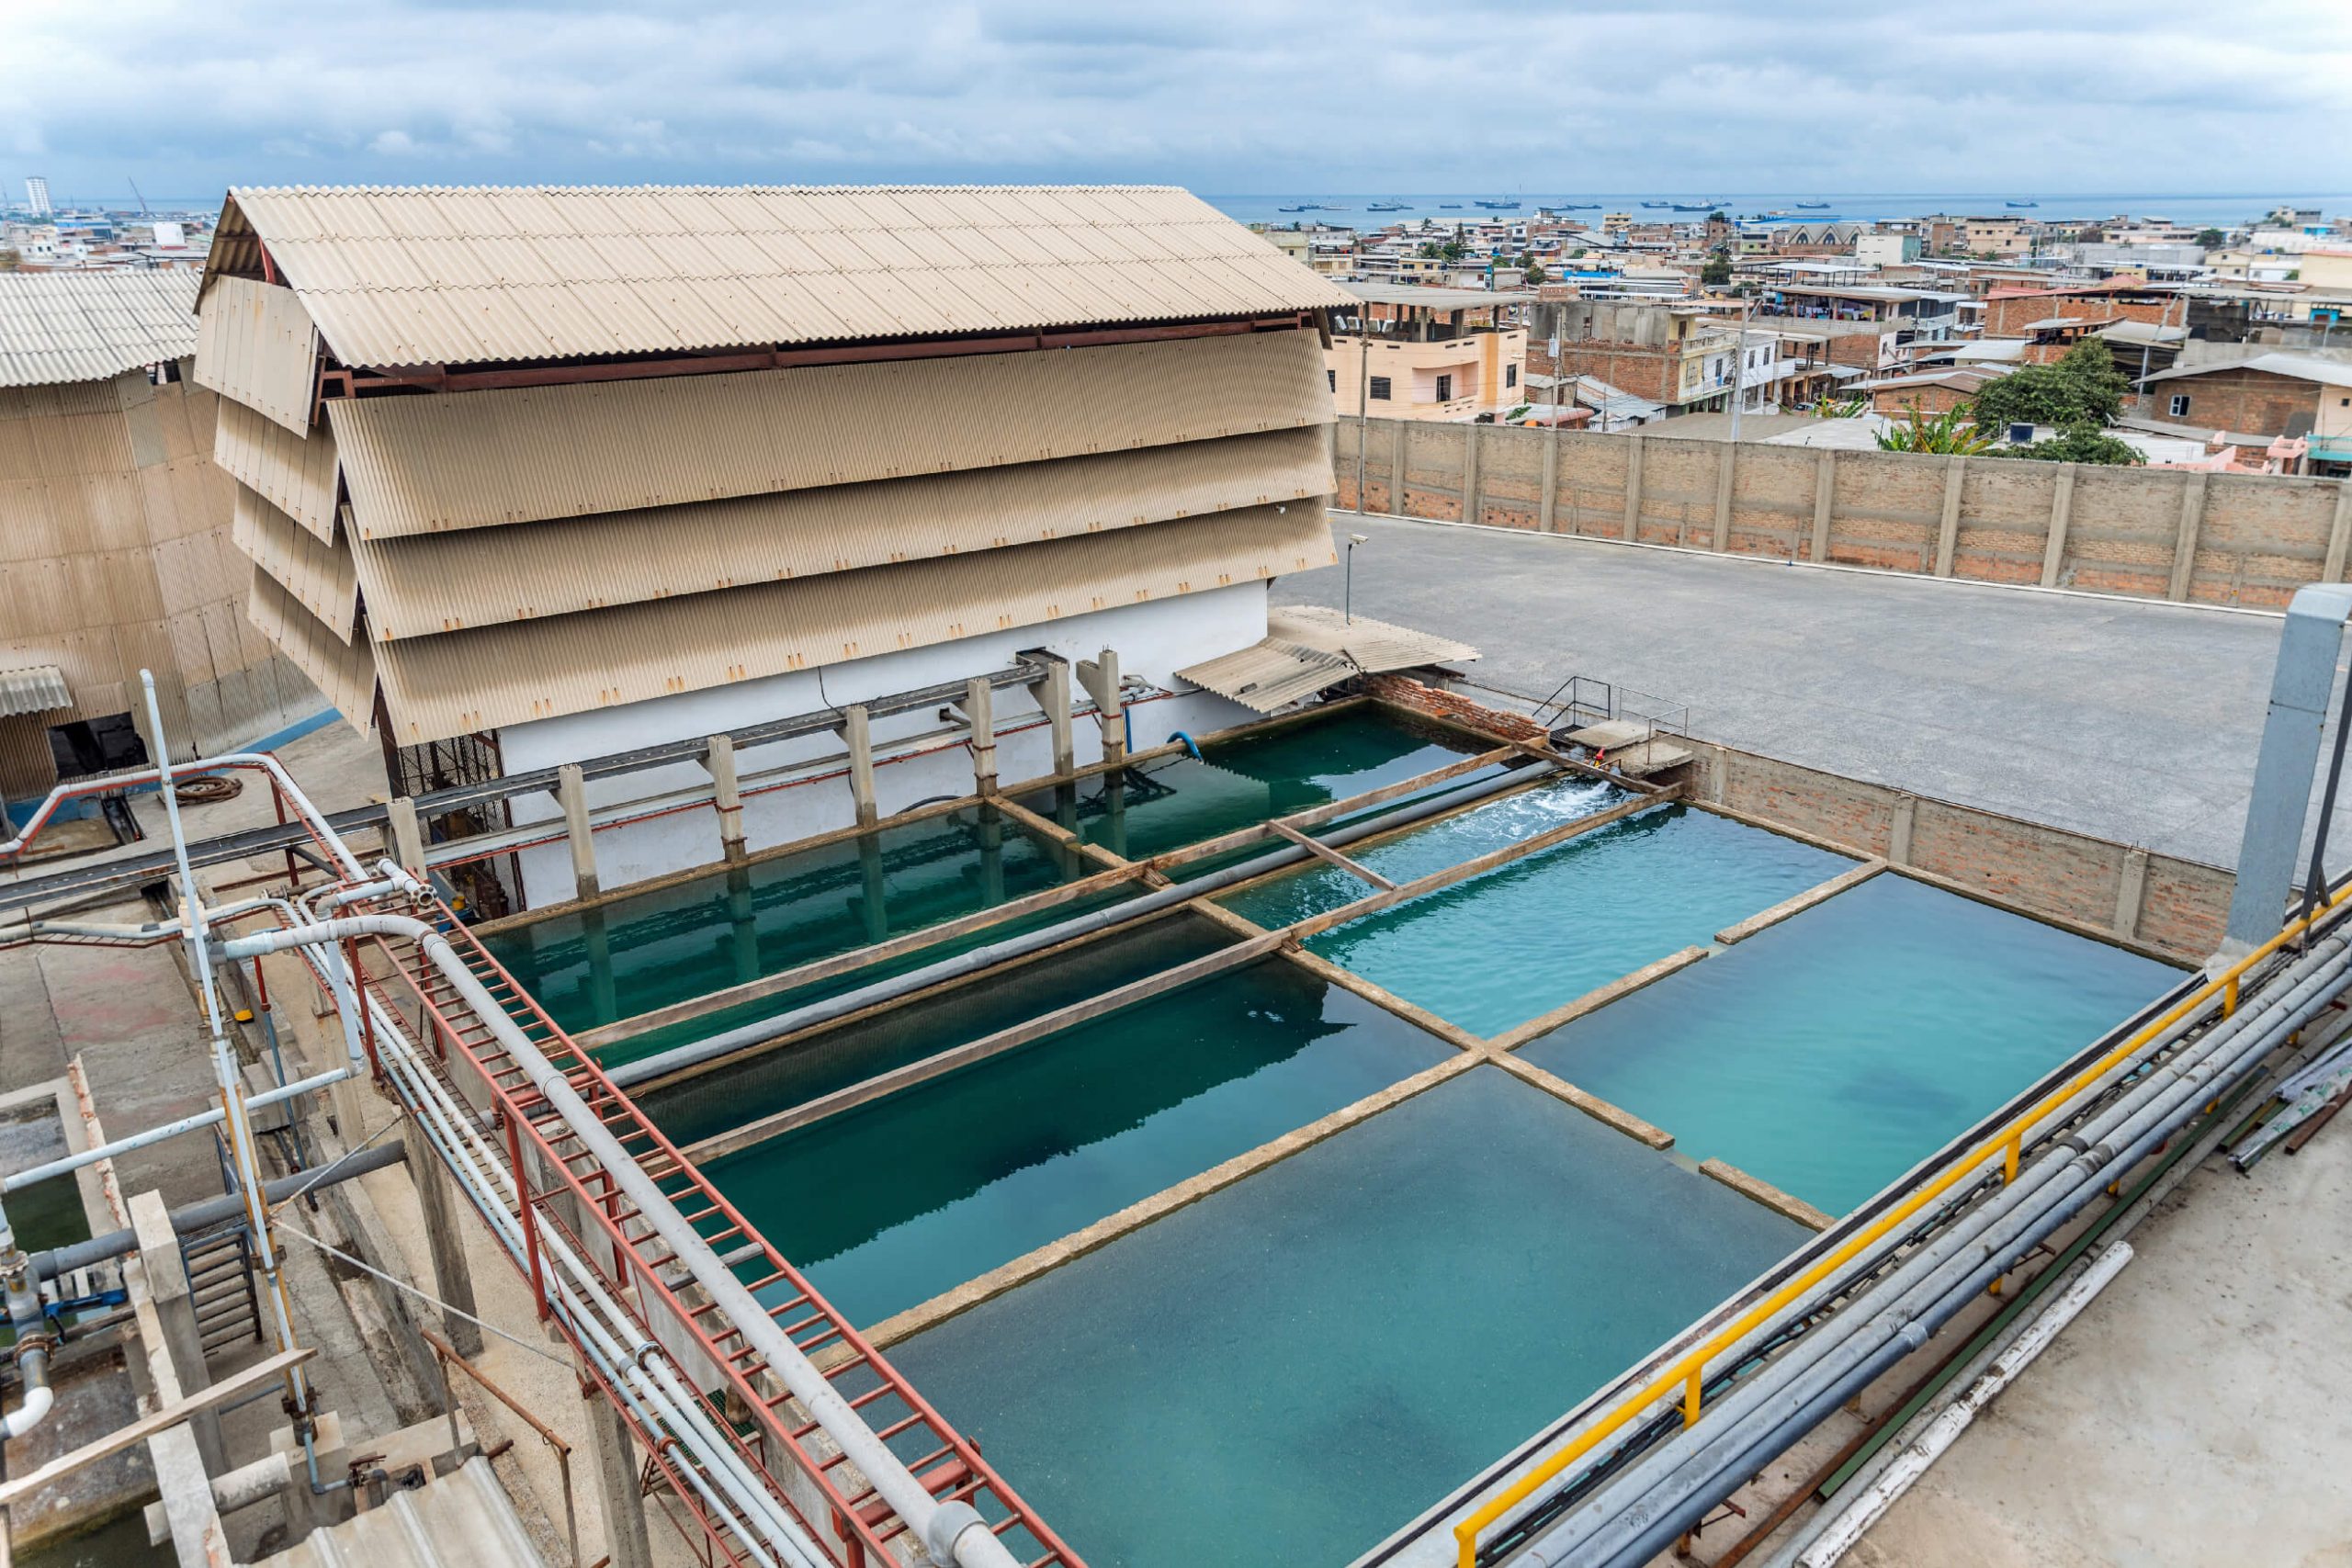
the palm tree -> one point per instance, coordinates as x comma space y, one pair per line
1952, 432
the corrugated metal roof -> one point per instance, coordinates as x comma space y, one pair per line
255, 345
432, 583
1270, 675
322, 576
87, 326
417, 465
296, 474
465, 1516
439, 686
454, 275
38, 688
2303, 367
1371, 646
344, 674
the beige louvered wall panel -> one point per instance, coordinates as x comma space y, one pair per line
255, 344
320, 576
477, 577
345, 673
295, 475
418, 465
440, 686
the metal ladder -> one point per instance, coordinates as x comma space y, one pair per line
220, 1267
769, 1424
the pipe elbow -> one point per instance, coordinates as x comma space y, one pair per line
39, 1395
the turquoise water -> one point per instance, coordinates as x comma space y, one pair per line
889, 1204
1831, 1052
1516, 942
1169, 803
649, 950
1287, 1370
1317, 887
760, 1086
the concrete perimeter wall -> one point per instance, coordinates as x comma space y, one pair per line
2154, 533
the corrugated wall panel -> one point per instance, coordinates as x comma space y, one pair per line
255, 344
344, 674
476, 459
320, 576
428, 584
440, 686
295, 475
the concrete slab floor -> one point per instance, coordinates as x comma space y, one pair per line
2124, 718
2199, 1411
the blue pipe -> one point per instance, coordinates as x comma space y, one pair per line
1190, 744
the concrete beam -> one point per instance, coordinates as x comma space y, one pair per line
2061, 516
572, 794
1100, 676
1546, 512
453, 1283
612, 1459
1824, 496
1899, 831
1397, 469
407, 838
2131, 893
1947, 530
2184, 552
167, 1283
727, 795
1723, 465
1051, 694
979, 708
857, 734
1633, 449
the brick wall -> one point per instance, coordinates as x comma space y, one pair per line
1404, 692
1644, 370
2256, 402
2008, 317
1898, 401
2242, 539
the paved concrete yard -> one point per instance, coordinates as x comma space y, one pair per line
2129, 720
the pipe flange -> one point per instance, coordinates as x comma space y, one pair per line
946, 1527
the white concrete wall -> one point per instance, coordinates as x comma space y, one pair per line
1153, 639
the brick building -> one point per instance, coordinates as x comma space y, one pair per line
1679, 354
1930, 392
2015, 313
2270, 394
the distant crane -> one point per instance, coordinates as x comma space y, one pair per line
144, 209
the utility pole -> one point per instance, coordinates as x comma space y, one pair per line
1739, 371
1363, 395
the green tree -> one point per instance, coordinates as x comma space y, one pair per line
1950, 432
1533, 272
2212, 239
1428, 249
1454, 250
2082, 387
2083, 442
1717, 217
1717, 273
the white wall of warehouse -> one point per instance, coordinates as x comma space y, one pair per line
1154, 639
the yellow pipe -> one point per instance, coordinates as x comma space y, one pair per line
1691, 1367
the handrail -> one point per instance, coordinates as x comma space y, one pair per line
1689, 1373
446, 1353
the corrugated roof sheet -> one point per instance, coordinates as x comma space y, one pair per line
1270, 675
1371, 646
38, 688
450, 275
87, 326
322, 576
464, 1517
296, 475
439, 686
344, 674
475, 576
2303, 367
255, 345
418, 465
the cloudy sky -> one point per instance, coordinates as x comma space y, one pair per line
2171, 96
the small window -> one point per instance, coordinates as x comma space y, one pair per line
2181, 405
1380, 389
1445, 389
1333, 375
1510, 378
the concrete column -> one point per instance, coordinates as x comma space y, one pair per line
2131, 893
1899, 831
980, 711
1546, 503
572, 794
1100, 676
718, 758
1051, 692
612, 1457
2062, 514
1470, 471
159, 1255
1824, 496
2184, 552
1724, 467
451, 1281
2339, 534
857, 732
1634, 486
1397, 467
1948, 532
408, 838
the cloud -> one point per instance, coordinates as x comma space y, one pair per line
1224, 95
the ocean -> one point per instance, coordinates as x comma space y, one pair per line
1353, 210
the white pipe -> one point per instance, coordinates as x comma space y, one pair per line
39, 1395
203, 1119
952, 1532
162, 773
1842, 1534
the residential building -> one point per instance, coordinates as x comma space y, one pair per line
115, 550
871, 442
37, 197
1439, 353
2012, 311
1911, 315
1886, 250
1681, 355
1993, 237
2293, 395
1930, 392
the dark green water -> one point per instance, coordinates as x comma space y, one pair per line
889, 1204
1171, 802
1508, 945
647, 951
760, 1086
1287, 1370
122, 1544
1831, 1052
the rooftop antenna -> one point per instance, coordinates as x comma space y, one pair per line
144, 209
